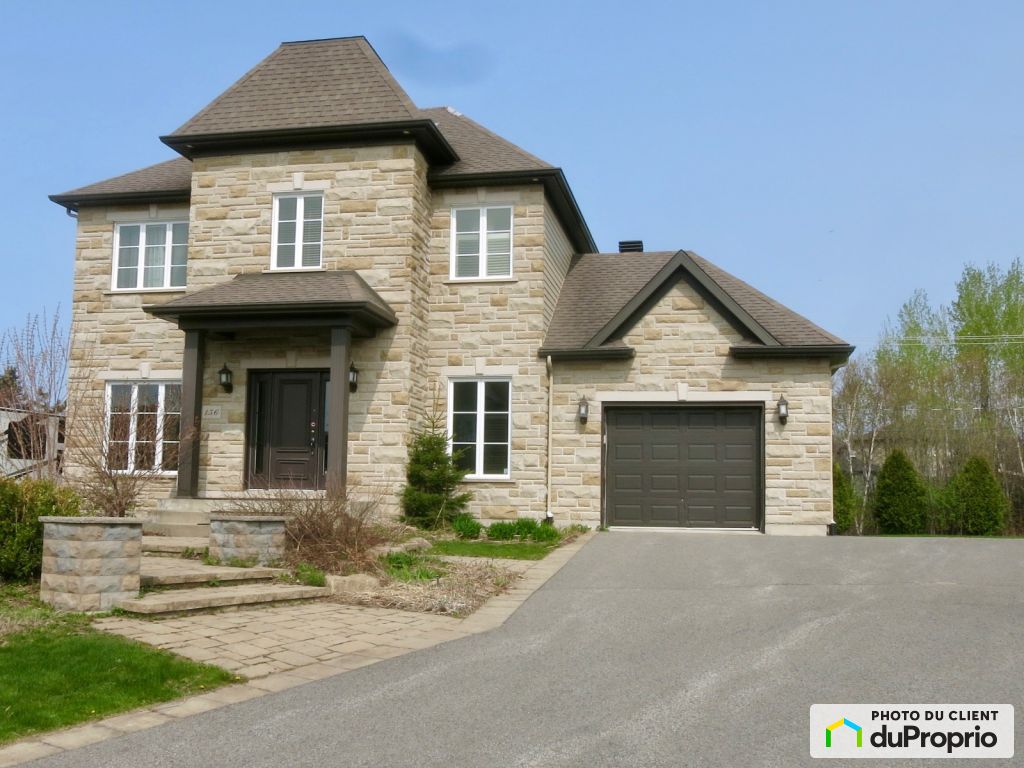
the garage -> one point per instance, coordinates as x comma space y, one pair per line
683, 467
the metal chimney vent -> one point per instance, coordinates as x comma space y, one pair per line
631, 246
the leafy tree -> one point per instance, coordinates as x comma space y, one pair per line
844, 500
975, 503
901, 498
430, 497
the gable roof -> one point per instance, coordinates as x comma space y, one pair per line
604, 294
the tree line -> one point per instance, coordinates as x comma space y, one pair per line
943, 391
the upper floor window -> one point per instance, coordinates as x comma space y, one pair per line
481, 243
150, 255
298, 231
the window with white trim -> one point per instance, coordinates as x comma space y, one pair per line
298, 231
480, 425
150, 255
481, 243
143, 426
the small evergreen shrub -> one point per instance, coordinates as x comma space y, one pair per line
430, 497
501, 531
974, 502
310, 575
466, 527
844, 500
901, 498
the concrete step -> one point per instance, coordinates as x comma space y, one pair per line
173, 545
179, 573
205, 598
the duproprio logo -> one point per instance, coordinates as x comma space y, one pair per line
849, 724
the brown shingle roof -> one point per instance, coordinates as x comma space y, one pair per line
304, 85
264, 292
479, 150
170, 177
603, 292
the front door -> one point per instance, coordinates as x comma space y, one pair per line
286, 442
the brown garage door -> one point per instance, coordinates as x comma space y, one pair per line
696, 467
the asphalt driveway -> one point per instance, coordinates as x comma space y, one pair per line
650, 649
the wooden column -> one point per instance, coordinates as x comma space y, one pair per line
191, 414
337, 411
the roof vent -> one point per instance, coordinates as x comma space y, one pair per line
631, 246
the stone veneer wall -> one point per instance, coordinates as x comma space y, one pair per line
495, 328
682, 346
257, 538
90, 563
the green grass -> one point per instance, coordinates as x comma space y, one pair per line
58, 671
310, 575
513, 550
406, 566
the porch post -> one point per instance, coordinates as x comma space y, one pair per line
337, 411
191, 414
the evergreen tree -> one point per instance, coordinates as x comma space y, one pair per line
975, 503
901, 499
430, 497
844, 501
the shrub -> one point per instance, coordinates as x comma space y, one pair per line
526, 527
901, 498
430, 496
310, 575
22, 503
844, 500
466, 527
974, 501
501, 531
546, 533
407, 566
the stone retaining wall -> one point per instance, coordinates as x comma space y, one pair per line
90, 563
256, 538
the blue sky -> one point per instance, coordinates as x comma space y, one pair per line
837, 155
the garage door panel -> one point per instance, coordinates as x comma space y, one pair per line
684, 466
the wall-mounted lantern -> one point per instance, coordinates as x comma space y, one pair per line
353, 378
225, 377
583, 410
783, 409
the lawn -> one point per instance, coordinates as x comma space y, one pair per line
513, 550
58, 671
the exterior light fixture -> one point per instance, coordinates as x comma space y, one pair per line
353, 378
783, 409
225, 376
583, 410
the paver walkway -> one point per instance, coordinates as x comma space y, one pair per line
260, 641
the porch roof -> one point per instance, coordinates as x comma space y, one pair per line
281, 299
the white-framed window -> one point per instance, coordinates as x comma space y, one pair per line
480, 426
150, 255
481, 243
298, 231
143, 427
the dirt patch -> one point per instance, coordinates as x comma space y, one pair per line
459, 592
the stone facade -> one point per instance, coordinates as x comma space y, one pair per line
249, 538
682, 355
90, 563
382, 219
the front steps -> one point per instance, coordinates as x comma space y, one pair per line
173, 546
183, 518
183, 585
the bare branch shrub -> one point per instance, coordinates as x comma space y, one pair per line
336, 532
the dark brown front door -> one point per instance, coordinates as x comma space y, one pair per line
286, 441
690, 467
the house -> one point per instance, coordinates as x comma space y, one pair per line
282, 305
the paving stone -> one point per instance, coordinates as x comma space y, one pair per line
135, 721
25, 751
81, 736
